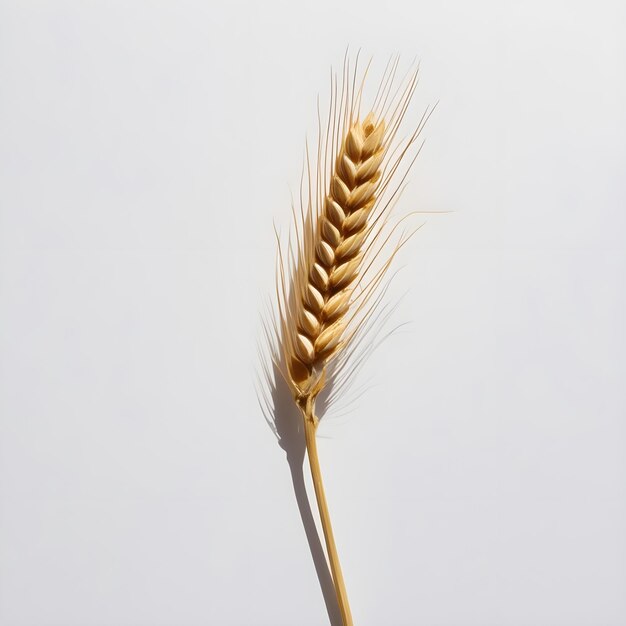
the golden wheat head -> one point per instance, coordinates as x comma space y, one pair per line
323, 287
343, 243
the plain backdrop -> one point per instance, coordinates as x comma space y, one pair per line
146, 148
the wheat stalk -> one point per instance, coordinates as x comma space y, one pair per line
331, 271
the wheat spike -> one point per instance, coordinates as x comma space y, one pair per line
329, 273
325, 278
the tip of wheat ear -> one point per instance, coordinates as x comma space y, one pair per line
333, 261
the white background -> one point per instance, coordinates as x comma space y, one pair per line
145, 148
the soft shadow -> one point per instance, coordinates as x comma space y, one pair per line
286, 421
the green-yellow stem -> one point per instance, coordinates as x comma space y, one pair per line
310, 428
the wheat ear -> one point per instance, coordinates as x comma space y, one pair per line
323, 286
328, 276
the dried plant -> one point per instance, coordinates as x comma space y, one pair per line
331, 270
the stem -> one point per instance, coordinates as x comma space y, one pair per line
310, 428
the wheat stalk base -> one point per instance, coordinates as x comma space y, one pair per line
310, 430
